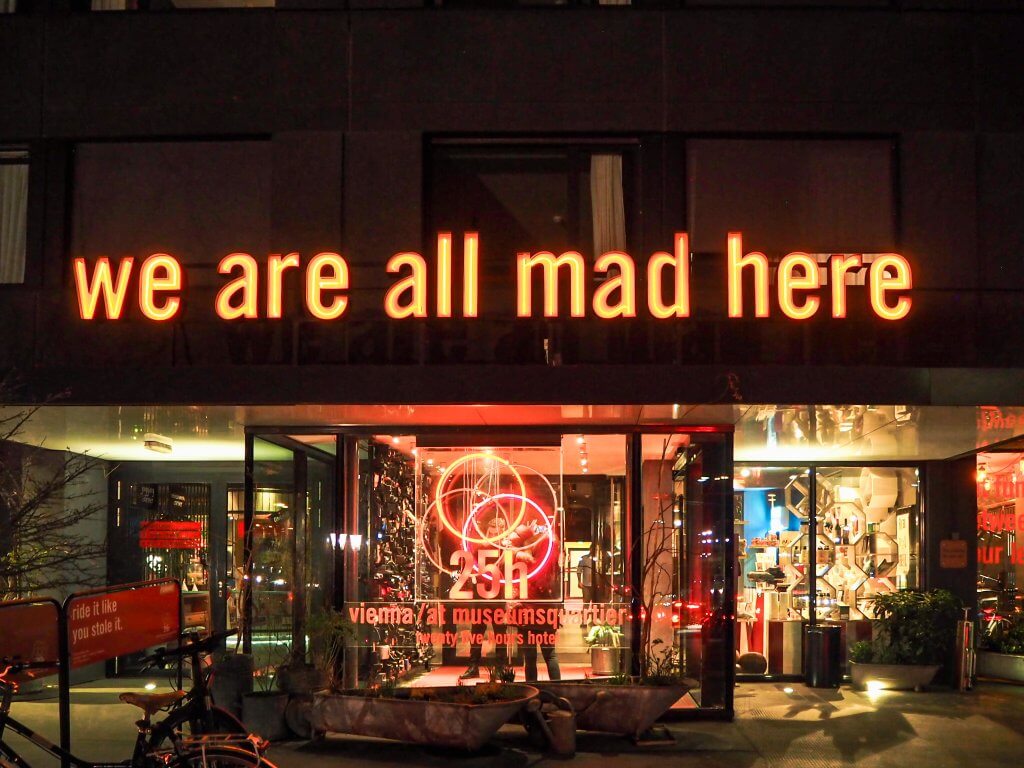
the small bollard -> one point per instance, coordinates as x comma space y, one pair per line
562, 726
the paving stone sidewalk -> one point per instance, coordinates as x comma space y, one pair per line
776, 725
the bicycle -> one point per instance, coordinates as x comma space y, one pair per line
201, 752
195, 711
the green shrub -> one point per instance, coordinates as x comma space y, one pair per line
1007, 636
911, 628
862, 652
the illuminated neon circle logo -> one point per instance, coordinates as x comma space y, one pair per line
501, 533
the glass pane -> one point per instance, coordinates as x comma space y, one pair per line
867, 523
14, 223
273, 541
479, 557
685, 621
163, 531
320, 511
1000, 556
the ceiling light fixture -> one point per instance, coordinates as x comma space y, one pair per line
157, 443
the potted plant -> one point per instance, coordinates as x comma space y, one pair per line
625, 704
913, 636
329, 632
501, 672
462, 717
1002, 650
263, 710
605, 642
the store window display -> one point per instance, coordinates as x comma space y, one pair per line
1000, 478
863, 524
488, 557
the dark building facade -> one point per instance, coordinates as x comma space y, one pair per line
808, 463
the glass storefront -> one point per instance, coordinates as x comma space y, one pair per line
556, 556
816, 543
556, 541
1000, 479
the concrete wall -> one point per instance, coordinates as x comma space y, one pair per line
339, 108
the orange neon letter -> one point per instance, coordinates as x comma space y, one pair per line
789, 282
736, 261
415, 283
317, 282
246, 284
624, 283
679, 263
839, 265
551, 265
149, 284
89, 292
444, 274
900, 279
470, 274
275, 278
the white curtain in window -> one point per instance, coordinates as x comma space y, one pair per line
8, 6
13, 221
607, 203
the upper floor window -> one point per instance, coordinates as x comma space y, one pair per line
13, 214
533, 197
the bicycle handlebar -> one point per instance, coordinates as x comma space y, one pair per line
206, 645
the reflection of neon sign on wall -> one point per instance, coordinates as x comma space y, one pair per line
500, 538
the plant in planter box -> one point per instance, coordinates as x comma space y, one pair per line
605, 642
263, 710
914, 634
329, 633
1001, 652
461, 716
1006, 636
501, 673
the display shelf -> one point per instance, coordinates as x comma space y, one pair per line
196, 610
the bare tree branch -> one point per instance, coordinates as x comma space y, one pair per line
44, 500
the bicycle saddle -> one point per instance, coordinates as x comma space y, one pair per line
151, 703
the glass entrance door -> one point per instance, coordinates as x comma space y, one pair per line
281, 549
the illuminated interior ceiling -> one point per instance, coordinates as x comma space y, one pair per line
1000, 478
763, 433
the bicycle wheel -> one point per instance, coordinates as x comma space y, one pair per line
218, 756
183, 721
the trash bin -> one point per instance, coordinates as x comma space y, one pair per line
822, 667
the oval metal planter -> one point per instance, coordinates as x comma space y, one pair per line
443, 724
892, 677
628, 710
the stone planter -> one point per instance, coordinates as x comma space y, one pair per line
628, 710
892, 677
263, 714
1003, 666
232, 679
605, 662
399, 717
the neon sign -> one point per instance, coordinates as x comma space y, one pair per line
494, 524
102, 288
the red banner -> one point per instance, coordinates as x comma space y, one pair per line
30, 631
102, 625
171, 534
